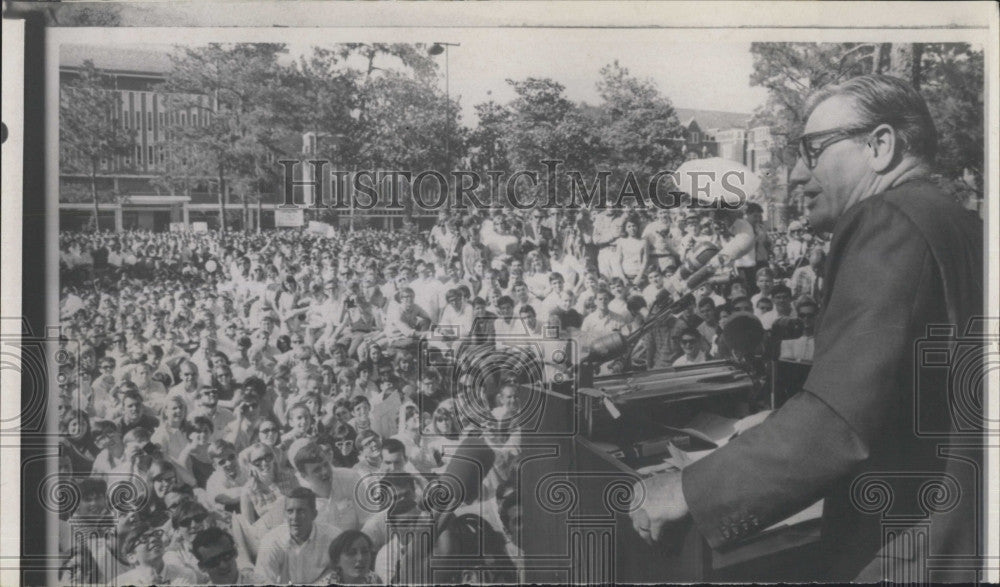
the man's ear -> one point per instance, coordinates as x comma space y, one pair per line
882, 146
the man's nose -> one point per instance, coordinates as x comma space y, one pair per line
800, 176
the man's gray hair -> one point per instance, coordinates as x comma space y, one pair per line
884, 99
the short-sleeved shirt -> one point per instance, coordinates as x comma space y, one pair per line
282, 561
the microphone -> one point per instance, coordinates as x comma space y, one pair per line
699, 265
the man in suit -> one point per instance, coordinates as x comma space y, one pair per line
904, 256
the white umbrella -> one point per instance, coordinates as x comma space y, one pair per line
715, 180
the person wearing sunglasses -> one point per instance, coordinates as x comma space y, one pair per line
216, 553
225, 485
692, 344
143, 547
186, 521
904, 256
261, 500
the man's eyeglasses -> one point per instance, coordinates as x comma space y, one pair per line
215, 561
688, 341
812, 145
226, 459
186, 523
268, 430
150, 538
262, 461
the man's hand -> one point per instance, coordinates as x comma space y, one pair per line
663, 503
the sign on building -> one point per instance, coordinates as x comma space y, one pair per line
289, 217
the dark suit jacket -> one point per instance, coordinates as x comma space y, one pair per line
865, 432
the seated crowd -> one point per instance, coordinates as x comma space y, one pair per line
279, 403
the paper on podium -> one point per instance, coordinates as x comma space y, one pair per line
813, 512
714, 431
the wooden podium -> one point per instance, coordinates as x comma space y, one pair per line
580, 467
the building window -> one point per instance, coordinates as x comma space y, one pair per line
149, 119
127, 119
695, 137
161, 119
183, 118
149, 155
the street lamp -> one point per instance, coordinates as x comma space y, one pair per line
434, 50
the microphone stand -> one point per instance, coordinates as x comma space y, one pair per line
617, 345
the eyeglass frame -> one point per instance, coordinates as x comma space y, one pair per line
811, 156
155, 533
197, 518
215, 561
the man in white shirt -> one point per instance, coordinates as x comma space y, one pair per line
405, 321
334, 487
796, 246
427, 290
225, 485
296, 551
602, 321
782, 298
801, 349
456, 319
657, 236
607, 229
552, 299
506, 324
208, 406
691, 344
764, 280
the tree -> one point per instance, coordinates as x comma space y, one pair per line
487, 149
952, 83
639, 125
791, 72
950, 77
89, 127
231, 96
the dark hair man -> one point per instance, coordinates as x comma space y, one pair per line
295, 552
143, 547
216, 553
903, 256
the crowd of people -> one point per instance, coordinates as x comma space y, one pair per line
280, 399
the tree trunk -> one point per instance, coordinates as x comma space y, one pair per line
260, 209
222, 200
246, 212
915, 66
905, 62
93, 195
884, 59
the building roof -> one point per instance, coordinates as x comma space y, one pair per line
713, 119
130, 59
